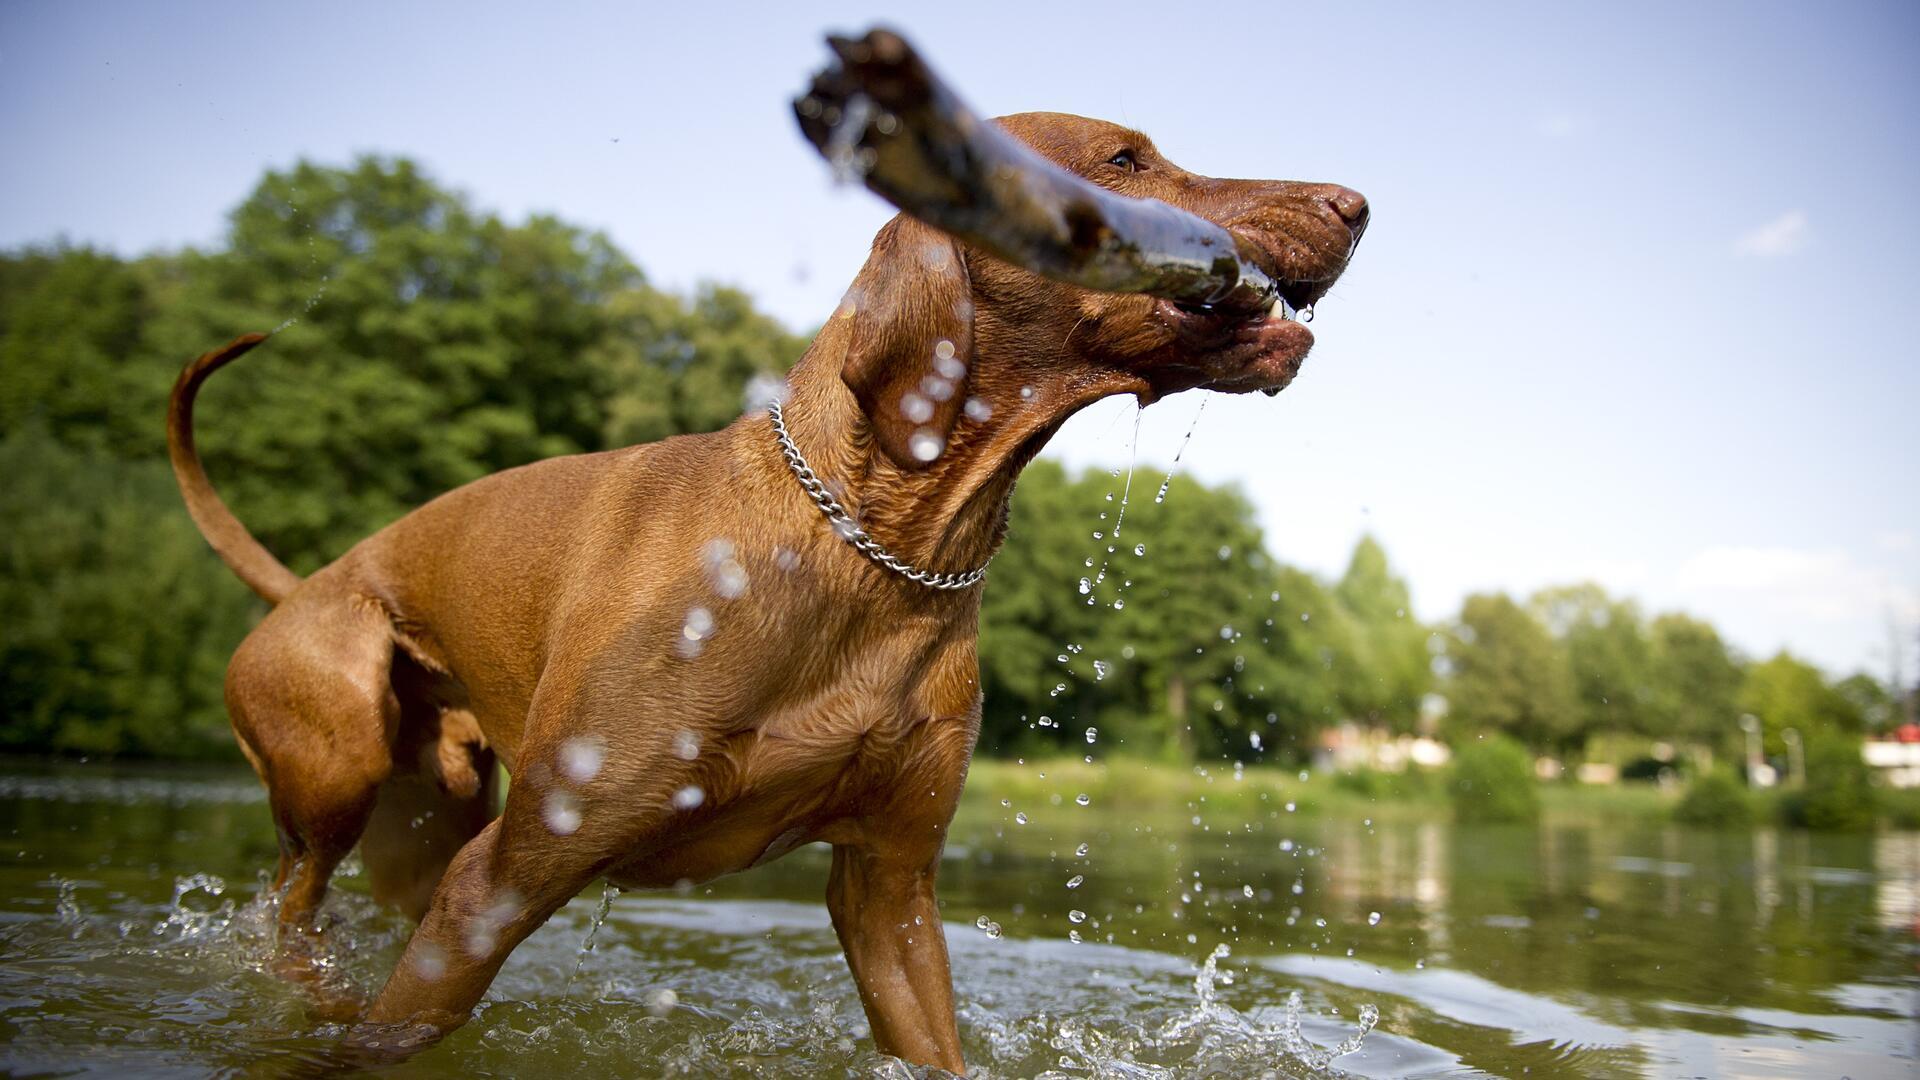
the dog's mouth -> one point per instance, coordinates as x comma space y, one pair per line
1239, 351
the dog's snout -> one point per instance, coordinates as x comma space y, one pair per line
1351, 206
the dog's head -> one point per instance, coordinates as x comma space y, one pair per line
946, 337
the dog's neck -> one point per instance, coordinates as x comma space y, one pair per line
951, 515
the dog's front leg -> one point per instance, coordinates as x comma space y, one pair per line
497, 890
884, 910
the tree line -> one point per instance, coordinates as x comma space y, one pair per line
425, 343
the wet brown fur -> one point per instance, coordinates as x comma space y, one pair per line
544, 608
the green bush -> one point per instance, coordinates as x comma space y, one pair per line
1492, 781
1380, 786
1715, 800
1839, 791
1901, 807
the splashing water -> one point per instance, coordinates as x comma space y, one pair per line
609, 892
1215, 1023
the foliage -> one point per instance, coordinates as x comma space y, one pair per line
1785, 692
116, 622
1839, 794
1492, 781
1696, 682
1609, 660
422, 344
1716, 800
1508, 675
1396, 668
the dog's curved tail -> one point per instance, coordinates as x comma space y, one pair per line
244, 555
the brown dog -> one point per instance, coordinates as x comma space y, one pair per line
686, 667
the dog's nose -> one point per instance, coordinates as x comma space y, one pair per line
1352, 208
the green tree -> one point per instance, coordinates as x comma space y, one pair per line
421, 344
1696, 682
1786, 692
1609, 658
1508, 675
114, 620
1170, 631
1393, 663
681, 366
1871, 699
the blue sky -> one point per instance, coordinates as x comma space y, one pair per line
1635, 305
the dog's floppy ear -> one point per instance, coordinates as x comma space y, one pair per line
912, 341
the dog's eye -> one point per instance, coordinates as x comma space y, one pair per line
1124, 160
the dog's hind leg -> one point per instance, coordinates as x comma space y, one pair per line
311, 701
439, 797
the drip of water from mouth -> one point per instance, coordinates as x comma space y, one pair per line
608, 894
1126, 493
1161, 496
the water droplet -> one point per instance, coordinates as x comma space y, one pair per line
1246, 891
686, 745
1253, 739
561, 813
429, 960
728, 577
1289, 806
915, 408
1020, 818
1026, 393
1085, 586
992, 928
936, 387
689, 797
1076, 916
1139, 549
977, 410
1373, 918
581, 757
1083, 799
1226, 633
1075, 881
1073, 936
1081, 851
662, 1001
1305, 314
926, 444
1092, 734
1099, 670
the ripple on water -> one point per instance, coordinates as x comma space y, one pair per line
753, 988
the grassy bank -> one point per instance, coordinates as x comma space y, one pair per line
1151, 786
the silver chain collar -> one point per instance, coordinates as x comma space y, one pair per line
849, 530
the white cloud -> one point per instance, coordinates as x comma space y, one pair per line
1827, 584
1783, 235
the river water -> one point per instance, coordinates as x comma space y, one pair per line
132, 942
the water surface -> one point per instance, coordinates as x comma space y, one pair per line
131, 942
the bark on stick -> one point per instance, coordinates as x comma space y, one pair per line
881, 116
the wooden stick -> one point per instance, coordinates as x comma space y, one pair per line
881, 116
